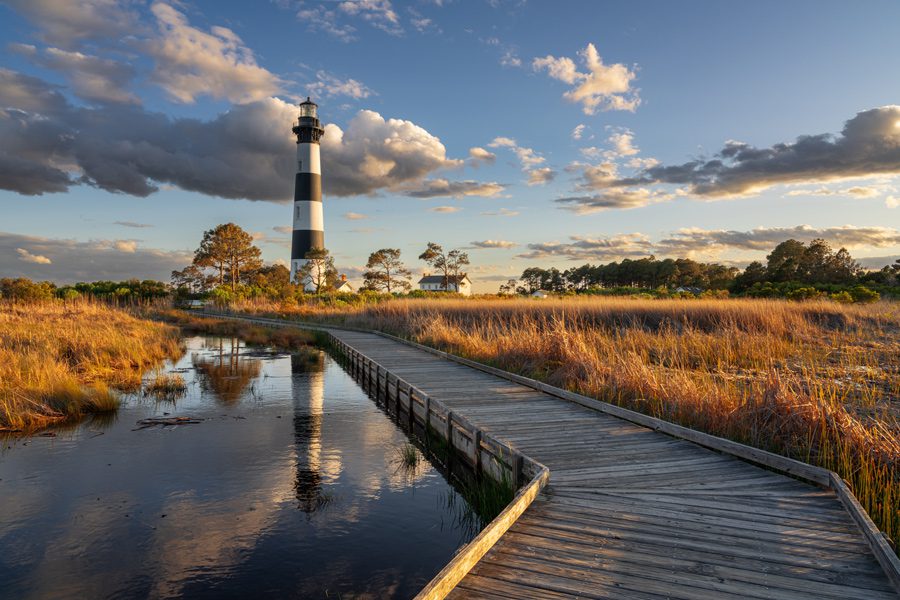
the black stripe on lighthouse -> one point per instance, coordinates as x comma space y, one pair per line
304, 240
308, 186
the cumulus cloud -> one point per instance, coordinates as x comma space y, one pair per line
67, 261
491, 244
132, 224
328, 85
688, 242
68, 24
445, 209
352, 216
601, 87
613, 199
246, 152
435, 188
868, 145
541, 176
374, 153
191, 62
37, 259
92, 78
479, 154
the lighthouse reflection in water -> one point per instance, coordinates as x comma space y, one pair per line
290, 486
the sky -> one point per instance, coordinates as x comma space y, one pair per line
526, 133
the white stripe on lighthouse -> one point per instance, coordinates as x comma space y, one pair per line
308, 215
308, 158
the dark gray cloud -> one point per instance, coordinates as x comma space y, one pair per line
68, 261
868, 145
687, 242
436, 188
246, 152
132, 224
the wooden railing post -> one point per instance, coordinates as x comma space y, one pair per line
450, 429
477, 442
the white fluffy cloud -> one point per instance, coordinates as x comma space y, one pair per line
479, 155
493, 244
541, 176
374, 153
191, 62
25, 255
600, 87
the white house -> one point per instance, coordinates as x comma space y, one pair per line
343, 285
435, 283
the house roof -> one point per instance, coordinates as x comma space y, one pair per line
440, 278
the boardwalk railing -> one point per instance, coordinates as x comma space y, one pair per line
484, 453
454, 424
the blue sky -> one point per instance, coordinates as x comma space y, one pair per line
531, 133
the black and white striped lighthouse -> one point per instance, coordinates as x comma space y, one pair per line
309, 224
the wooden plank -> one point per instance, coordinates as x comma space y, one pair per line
469, 556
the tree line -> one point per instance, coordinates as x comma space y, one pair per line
793, 269
227, 262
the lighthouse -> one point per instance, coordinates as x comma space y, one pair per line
309, 224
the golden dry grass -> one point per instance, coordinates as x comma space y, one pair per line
819, 382
61, 360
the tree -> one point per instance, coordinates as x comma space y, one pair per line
449, 264
229, 250
190, 279
784, 263
386, 272
318, 270
509, 287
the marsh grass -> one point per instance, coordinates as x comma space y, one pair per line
816, 381
60, 360
407, 455
165, 386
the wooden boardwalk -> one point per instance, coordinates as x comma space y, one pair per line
633, 513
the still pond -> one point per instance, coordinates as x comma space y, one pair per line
292, 485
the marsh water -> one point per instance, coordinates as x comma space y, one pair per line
290, 485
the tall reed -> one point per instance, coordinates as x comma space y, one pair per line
819, 382
59, 360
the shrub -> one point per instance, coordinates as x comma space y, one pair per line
864, 295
